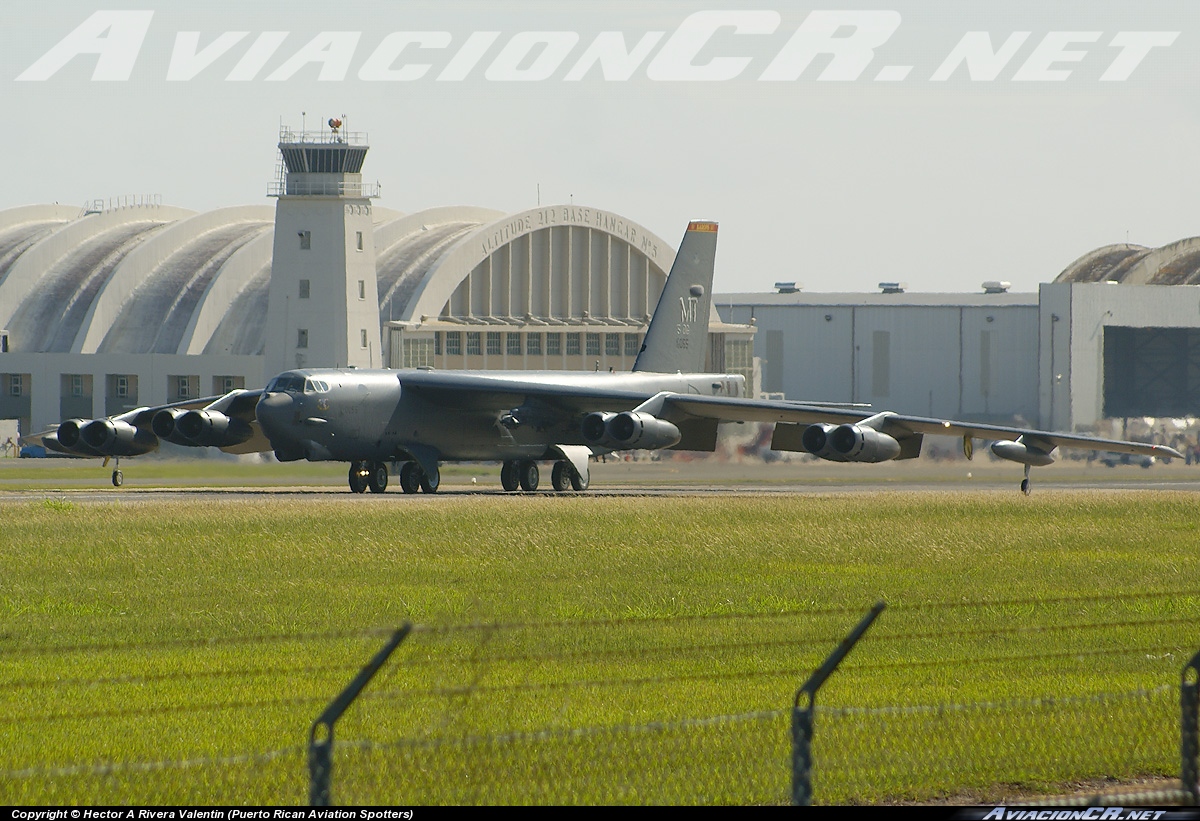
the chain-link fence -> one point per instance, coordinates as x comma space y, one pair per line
934, 704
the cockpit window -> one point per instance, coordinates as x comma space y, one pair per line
285, 382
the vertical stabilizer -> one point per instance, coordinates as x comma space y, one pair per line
677, 338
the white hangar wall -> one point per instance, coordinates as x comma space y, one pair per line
965, 356
1067, 358
1110, 350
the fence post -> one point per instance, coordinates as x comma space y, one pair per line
320, 736
1189, 733
802, 717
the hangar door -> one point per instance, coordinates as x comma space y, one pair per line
1151, 372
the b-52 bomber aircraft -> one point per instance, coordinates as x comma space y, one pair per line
418, 418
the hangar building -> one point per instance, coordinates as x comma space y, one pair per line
129, 302
1115, 335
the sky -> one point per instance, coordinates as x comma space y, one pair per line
840, 145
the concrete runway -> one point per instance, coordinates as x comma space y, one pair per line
676, 477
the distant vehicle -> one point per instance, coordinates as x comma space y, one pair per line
419, 418
1127, 459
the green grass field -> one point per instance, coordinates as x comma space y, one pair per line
141, 643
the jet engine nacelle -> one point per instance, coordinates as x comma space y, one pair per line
849, 443
68, 434
595, 427
635, 429
858, 443
164, 426
210, 428
112, 437
629, 430
815, 440
1023, 453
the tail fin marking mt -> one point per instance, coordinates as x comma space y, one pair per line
677, 338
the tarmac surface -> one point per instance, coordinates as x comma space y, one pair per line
34, 479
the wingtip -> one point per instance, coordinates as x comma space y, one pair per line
707, 226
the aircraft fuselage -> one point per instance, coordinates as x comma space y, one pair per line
354, 415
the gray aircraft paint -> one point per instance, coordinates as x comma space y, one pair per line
679, 345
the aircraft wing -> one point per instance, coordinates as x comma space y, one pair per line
471, 390
898, 426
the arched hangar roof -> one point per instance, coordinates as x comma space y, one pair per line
159, 279
574, 264
1175, 264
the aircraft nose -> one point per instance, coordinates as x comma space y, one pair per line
274, 412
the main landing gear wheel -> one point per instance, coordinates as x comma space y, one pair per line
528, 474
560, 476
377, 480
430, 482
410, 477
565, 477
1026, 487
358, 477
509, 475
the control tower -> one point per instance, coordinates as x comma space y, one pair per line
323, 308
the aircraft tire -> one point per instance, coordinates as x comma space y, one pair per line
358, 482
1026, 488
529, 474
377, 480
430, 483
509, 475
560, 476
580, 482
118, 478
410, 477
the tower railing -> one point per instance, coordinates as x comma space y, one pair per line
323, 188
322, 137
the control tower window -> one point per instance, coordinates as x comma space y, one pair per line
305, 240
304, 288
302, 338
358, 240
